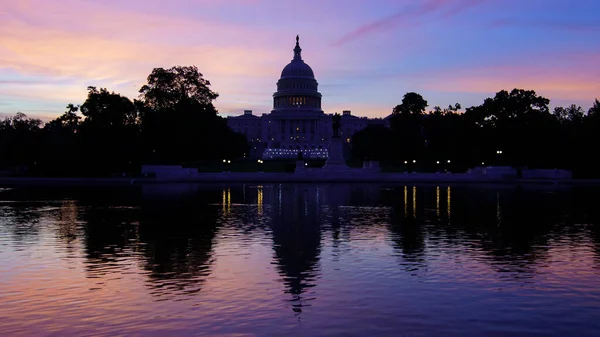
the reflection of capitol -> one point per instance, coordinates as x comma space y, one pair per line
173, 232
228, 258
297, 122
296, 232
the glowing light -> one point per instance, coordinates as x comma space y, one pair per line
226, 201
260, 200
437, 201
405, 202
414, 203
448, 192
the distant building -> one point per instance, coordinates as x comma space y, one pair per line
297, 122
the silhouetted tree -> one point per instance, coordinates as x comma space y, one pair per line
406, 123
109, 132
168, 87
449, 110
60, 146
412, 103
374, 142
518, 123
179, 121
19, 141
594, 111
444, 136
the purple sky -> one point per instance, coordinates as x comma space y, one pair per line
365, 54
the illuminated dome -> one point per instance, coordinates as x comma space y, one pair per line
297, 89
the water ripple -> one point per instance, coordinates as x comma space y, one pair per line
314, 260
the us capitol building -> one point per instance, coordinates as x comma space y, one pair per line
297, 121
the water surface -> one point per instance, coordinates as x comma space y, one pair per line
300, 260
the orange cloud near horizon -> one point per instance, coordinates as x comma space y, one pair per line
62, 47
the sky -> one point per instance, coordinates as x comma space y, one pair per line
365, 54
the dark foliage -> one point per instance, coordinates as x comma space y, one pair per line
513, 128
173, 122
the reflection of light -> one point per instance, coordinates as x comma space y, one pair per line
226, 200
260, 200
414, 195
67, 227
305, 204
405, 201
448, 202
437, 201
498, 213
279, 198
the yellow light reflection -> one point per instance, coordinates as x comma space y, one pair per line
405, 201
414, 203
226, 201
437, 201
260, 200
448, 202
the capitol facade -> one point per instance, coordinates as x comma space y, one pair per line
297, 122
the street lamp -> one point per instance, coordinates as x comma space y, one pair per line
437, 162
406, 162
226, 163
448, 161
414, 161
498, 155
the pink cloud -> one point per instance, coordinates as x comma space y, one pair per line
411, 17
573, 26
560, 82
90, 43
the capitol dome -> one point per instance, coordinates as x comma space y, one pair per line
297, 68
297, 89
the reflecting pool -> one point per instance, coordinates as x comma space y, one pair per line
300, 260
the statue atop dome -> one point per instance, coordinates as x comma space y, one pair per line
297, 49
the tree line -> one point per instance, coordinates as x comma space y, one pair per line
515, 128
173, 121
